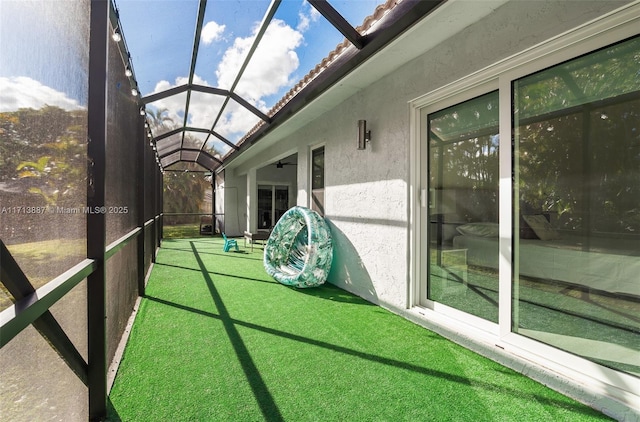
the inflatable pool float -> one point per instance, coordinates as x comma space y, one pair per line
299, 250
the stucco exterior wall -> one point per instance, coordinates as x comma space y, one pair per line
367, 192
231, 192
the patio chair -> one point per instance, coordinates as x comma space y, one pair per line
229, 243
206, 225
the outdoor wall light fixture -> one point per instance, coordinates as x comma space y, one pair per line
116, 36
142, 113
128, 72
134, 92
364, 135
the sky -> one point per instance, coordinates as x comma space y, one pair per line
31, 34
44, 55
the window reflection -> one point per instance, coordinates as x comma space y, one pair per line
317, 180
577, 187
463, 206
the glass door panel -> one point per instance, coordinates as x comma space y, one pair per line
463, 207
317, 180
265, 207
273, 201
281, 203
576, 190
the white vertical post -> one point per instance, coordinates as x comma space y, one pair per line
506, 209
252, 201
304, 177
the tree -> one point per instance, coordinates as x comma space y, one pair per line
49, 146
577, 135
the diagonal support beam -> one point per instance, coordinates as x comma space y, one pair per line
168, 134
266, 20
25, 295
209, 89
223, 139
250, 107
339, 22
195, 129
164, 94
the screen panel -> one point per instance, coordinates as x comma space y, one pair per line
43, 184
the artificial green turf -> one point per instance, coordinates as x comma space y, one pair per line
216, 339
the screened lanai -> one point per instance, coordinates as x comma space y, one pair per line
99, 100
476, 162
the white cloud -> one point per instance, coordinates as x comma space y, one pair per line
236, 121
304, 23
202, 110
211, 32
271, 67
305, 19
23, 92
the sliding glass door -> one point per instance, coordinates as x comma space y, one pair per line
568, 270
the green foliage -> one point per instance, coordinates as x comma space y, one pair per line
577, 138
464, 156
184, 192
158, 119
48, 145
181, 231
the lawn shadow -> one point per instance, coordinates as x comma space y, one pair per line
234, 254
347, 269
263, 396
331, 292
215, 273
112, 413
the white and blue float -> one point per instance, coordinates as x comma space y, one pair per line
299, 250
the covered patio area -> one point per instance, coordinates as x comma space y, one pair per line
440, 140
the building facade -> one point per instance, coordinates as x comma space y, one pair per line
496, 200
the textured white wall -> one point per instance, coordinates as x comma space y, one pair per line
302, 172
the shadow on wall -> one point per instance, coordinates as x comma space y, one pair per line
347, 269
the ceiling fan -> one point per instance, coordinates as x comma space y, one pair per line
280, 164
